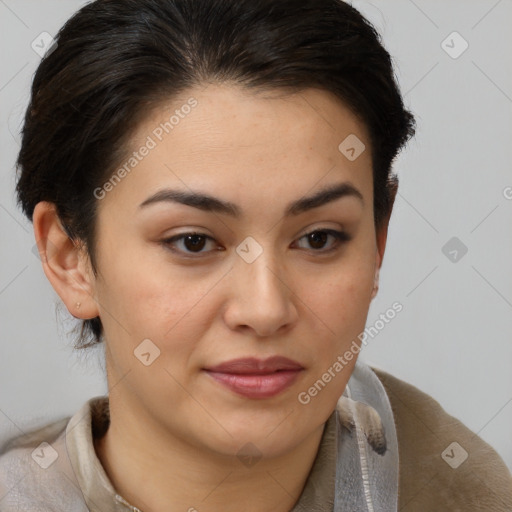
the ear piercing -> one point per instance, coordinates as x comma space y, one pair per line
77, 305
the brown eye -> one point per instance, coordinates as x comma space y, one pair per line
318, 239
194, 242
188, 243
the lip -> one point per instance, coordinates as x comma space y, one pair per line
256, 378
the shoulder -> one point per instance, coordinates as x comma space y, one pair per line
35, 471
443, 464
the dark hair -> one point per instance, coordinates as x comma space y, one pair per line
115, 60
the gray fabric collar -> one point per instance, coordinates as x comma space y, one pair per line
366, 446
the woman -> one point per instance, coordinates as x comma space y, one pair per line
210, 186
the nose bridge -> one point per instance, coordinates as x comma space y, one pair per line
262, 299
259, 269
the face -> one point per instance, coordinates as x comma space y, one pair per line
262, 272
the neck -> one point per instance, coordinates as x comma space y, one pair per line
160, 473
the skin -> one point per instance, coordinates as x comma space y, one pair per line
174, 431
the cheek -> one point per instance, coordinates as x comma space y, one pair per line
153, 306
343, 292
340, 304
170, 306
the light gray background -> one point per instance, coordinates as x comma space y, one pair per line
453, 338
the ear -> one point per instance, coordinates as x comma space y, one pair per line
65, 263
382, 235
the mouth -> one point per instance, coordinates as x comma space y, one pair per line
256, 378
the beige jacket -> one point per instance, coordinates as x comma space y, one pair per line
427, 481
56, 468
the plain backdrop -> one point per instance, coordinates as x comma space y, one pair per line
449, 253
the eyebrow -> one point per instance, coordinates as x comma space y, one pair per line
209, 203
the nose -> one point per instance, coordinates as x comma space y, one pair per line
260, 297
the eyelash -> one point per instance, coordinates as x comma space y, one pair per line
341, 237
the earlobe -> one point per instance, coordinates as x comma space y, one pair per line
64, 263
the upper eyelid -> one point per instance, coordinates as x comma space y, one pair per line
199, 233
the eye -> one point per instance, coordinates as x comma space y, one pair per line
319, 238
191, 243
194, 243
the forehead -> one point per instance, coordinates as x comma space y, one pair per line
270, 118
225, 139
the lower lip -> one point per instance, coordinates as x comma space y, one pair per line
257, 386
